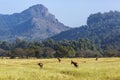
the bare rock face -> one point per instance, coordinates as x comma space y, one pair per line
34, 23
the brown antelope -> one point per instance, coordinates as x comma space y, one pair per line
84, 61
74, 63
40, 65
96, 58
59, 60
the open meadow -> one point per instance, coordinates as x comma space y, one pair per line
89, 69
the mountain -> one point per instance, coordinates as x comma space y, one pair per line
33, 23
102, 28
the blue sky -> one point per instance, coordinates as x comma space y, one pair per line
73, 13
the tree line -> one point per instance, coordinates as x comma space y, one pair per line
51, 49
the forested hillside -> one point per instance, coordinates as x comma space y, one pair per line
102, 28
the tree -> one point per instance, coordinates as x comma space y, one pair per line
5, 45
65, 51
48, 52
2, 53
38, 52
29, 52
18, 52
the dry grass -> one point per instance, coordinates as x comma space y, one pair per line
89, 69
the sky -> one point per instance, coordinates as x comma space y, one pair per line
72, 13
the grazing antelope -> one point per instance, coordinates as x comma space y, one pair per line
74, 63
96, 58
41, 65
84, 61
59, 60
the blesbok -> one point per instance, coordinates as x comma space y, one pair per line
74, 63
84, 61
59, 60
96, 58
40, 65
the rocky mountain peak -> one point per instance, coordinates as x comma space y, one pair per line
33, 23
37, 11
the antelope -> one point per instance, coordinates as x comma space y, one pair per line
74, 63
59, 60
96, 58
41, 65
84, 61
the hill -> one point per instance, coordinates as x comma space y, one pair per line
102, 28
33, 23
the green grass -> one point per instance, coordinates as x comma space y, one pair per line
27, 69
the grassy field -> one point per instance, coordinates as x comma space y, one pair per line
27, 69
